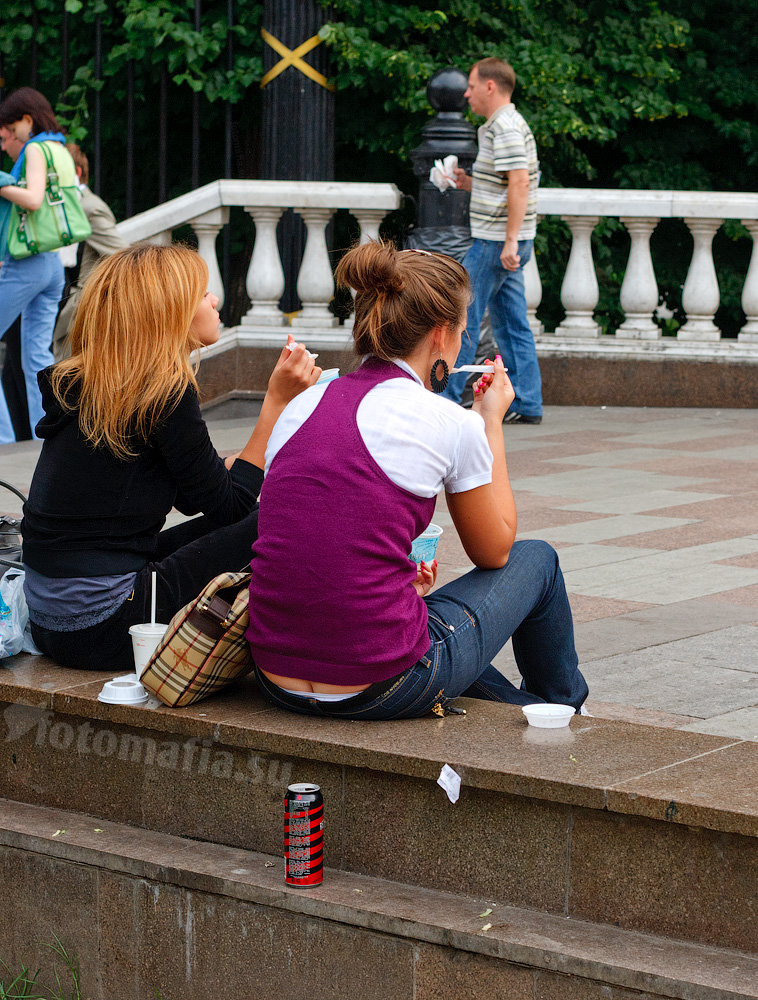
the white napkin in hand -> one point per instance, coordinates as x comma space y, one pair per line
442, 173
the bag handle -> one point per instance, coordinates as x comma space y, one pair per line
54, 197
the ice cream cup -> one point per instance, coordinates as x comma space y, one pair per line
424, 547
548, 716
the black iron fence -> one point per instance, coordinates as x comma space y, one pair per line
155, 94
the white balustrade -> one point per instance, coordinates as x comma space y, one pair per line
749, 331
533, 294
265, 276
315, 282
206, 210
639, 290
207, 227
579, 291
700, 297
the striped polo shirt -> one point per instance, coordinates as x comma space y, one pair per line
505, 143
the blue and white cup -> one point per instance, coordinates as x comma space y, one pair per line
424, 547
328, 376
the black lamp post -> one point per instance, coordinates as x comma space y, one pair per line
442, 221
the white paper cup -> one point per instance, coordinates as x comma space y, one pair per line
123, 691
547, 716
145, 638
424, 548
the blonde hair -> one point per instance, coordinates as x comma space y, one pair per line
401, 296
130, 344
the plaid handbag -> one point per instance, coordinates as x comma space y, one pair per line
204, 648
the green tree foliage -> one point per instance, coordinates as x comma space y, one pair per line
619, 93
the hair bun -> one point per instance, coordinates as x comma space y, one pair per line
371, 267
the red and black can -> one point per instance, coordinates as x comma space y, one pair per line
303, 835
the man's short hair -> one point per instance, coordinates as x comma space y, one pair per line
500, 72
80, 159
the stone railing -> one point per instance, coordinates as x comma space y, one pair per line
206, 211
640, 212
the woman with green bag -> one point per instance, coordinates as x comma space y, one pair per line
30, 287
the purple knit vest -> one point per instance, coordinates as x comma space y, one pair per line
331, 597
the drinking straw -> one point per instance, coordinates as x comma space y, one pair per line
152, 602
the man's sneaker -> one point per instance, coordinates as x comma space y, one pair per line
521, 418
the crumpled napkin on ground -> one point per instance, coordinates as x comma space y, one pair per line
442, 175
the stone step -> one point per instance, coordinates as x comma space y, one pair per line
641, 828
147, 911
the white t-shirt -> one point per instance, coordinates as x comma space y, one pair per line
422, 442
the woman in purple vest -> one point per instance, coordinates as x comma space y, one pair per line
341, 621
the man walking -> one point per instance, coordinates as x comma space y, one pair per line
503, 226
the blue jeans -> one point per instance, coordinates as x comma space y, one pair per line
503, 292
470, 620
31, 288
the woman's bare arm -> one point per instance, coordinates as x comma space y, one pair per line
31, 196
485, 517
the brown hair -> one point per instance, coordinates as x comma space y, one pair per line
131, 344
27, 101
500, 72
401, 296
80, 160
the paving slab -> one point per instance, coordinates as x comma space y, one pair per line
607, 528
657, 625
644, 500
668, 677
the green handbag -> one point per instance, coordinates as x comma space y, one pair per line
58, 222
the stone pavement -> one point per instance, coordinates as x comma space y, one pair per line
654, 512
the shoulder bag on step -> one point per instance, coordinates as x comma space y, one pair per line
204, 647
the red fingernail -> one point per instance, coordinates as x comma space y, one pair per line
498, 358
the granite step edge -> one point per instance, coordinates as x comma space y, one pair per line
599, 953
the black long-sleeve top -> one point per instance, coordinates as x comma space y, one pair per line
90, 513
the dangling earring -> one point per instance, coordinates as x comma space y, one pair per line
439, 384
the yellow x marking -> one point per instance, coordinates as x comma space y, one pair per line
292, 57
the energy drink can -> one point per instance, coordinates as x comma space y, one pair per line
303, 835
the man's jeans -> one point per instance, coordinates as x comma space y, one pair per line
503, 292
470, 620
32, 288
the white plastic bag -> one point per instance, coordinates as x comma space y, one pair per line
15, 636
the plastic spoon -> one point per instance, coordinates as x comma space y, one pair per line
473, 368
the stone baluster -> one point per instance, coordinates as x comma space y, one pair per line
639, 290
700, 298
579, 291
369, 219
265, 276
750, 292
207, 227
315, 283
533, 293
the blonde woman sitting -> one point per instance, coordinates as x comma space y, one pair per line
124, 442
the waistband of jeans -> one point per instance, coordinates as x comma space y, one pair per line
330, 707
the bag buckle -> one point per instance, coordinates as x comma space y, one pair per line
51, 194
217, 608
